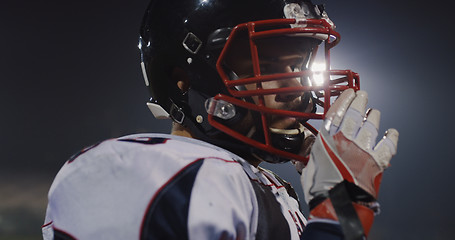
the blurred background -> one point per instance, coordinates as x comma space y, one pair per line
70, 77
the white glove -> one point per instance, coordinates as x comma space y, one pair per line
346, 149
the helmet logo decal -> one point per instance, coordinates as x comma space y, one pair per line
294, 10
298, 12
302, 12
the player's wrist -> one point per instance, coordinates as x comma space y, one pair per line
326, 211
363, 207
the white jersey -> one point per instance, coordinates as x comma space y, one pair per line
159, 186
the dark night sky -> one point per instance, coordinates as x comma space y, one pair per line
70, 77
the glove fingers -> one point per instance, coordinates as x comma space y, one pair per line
386, 148
360, 102
354, 116
366, 138
336, 112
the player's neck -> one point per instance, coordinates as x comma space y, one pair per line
253, 161
180, 130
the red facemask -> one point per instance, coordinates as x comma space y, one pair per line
323, 90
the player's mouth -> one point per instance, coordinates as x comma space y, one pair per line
290, 125
296, 128
288, 133
289, 139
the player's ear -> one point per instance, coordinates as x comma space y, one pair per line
181, 78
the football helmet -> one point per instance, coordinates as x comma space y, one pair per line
228, 51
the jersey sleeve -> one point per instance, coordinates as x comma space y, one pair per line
229, 209
150, 188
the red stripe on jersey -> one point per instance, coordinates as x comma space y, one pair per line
222, 159
47, 224
273, 182
268, 185
297, 223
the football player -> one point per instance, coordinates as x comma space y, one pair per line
236, 78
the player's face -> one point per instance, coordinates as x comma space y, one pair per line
276, 56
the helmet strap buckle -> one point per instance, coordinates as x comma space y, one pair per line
177, 114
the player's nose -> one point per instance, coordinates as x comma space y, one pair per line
286, 83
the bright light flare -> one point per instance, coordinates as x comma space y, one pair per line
318, 73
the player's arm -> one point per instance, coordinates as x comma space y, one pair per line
342, 178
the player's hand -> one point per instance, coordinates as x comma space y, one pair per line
346, 151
